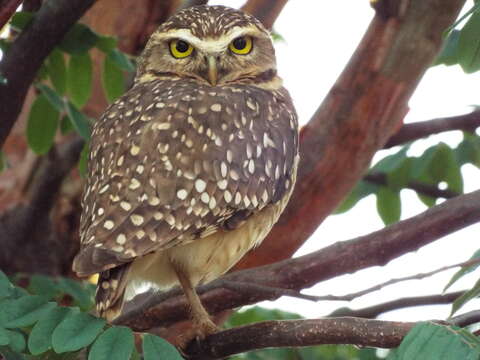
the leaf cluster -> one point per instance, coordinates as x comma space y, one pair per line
438, 165
32, 326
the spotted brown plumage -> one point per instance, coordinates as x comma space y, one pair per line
192, 166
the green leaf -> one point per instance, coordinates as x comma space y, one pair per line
449, 53
421, 165
427, 200
79, 39
82, 296
40, 339
79, 121
468, 151
53, 98
121, 60
361, 190
445, 167
66, 126
57, 71
391, 162
79, 79
465, 297
17, 340
43, 285
106, 43
430, 341
400, 176
464, 270
257, 314
155, 348
389, 205
24, 311
6, 287
469, 45
4, 337
83, 163
112, 80
75, 332
21, 19
42, 125
115, 343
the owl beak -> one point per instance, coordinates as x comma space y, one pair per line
212, 70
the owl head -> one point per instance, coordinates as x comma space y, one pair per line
214, 45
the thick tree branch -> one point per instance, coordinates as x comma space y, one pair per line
371, 312
290, 333
7, 9
418, 130
21, 63
421, 188
267, 11
375, 249
28, 225
297, 333
358, 116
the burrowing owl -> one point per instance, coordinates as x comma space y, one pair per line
191, 168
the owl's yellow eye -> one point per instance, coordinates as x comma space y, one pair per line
241, 45
180, 49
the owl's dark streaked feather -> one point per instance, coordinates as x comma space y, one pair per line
194, 159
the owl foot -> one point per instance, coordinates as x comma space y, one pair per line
199, 331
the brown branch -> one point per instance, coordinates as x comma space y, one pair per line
421, 188
190, 3
294, 333
361, 112
371, 312
28, 225
22, 61
267, 11
414, 131
7, 9
297, 333
375, 249
419, 276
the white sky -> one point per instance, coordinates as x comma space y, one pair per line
320, 37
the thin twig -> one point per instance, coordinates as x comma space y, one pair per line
421, 188
414, 131
268, 291
351, 296
371, 312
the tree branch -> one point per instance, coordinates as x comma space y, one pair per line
21, 63
290, 333
297, 333
267, 11
421, 188
375, 249
7, 9
358, 116
29, 226
371, 312
414, 131
419, 276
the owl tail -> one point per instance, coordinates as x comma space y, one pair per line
110, 291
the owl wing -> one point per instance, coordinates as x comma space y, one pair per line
172, 162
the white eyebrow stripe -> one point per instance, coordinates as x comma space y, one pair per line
208, 45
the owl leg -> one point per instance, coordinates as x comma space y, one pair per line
203, 325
